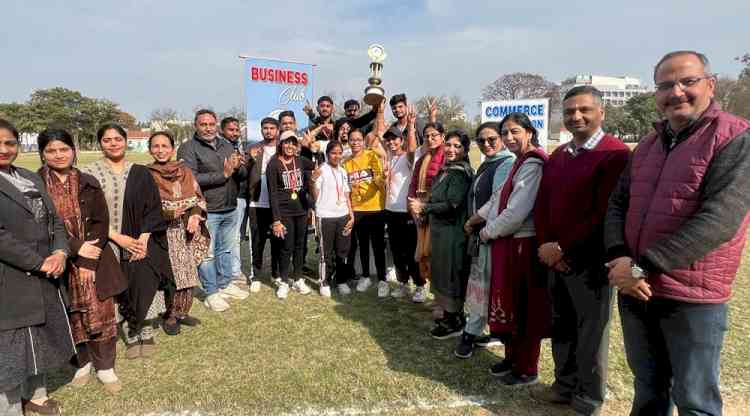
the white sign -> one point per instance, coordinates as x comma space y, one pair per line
537, 109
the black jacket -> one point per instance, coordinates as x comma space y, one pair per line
207, 163
24, 244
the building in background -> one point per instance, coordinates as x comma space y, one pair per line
138, 140
616, 90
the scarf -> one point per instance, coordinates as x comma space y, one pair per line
65, 197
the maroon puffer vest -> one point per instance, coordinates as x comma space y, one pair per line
665, 192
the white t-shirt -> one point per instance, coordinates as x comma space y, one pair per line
268, 153
399, 180
333, 192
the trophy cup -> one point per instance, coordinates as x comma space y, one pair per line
374, 93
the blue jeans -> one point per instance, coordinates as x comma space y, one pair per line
674, 349
215, 271
237, 240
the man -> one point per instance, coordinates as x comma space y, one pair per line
400, 109
569, 217
230, 131
351, 108
260, 208
326, 116
675, 229
218, 170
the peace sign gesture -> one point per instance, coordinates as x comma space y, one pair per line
411, 116
432, 107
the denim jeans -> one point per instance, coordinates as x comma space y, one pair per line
674, 350
237, 242
215, 271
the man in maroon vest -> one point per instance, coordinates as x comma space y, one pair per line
569, 217
675, 230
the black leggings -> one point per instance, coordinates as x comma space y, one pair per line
260, 225
402, 236
334, 250
369, 227
293, 246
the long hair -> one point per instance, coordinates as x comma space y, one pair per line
522, 120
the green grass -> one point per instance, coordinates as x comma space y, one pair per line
309, 355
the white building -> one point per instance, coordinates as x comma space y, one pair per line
616, 90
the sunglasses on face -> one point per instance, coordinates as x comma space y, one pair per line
487, 140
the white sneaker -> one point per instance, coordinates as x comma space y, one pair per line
233, 292
344, 289
216, 303
400, 291
301, 287
325, 291
363, 284
254, 286
420, 295
282, 291
383, 289
391, 275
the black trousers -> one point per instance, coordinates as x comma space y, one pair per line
369, 227
402, 237
334, 250
581, 308
292, 250
260, 226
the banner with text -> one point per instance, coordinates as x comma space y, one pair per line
537, 109
273, 86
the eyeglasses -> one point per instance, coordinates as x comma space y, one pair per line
432, 135
683, 83
487, 140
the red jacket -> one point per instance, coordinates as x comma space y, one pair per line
665, 193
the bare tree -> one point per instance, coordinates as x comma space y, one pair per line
520, 85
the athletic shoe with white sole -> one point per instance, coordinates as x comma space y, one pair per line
344, 289
400, 291
420, 295
301, 287
390, 275
254, 286
383, 289
233, 292
216, 303
325, 291
364, 284
282, 291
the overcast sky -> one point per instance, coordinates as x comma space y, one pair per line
180, 54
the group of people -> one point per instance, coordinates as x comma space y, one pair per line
528, 246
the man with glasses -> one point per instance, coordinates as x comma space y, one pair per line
674, 231
569, 216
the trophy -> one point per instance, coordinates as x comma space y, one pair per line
374, 93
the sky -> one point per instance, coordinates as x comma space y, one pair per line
146, 55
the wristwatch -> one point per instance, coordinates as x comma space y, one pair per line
637, 271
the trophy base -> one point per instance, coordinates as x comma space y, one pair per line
374, 95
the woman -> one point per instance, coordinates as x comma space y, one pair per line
184, 209
367, 181
519, 307
428, 165
34, 333
94, 277
288, 177
333, 210
137, 234
490, 176
446, 212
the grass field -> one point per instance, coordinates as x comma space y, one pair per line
310, 355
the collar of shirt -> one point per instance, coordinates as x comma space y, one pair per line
588, 145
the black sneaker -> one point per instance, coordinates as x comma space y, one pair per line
465, 348
512, 380
444, 331
502, 368
188, 320
171, 328
486, 341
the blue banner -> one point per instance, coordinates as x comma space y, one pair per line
273, 86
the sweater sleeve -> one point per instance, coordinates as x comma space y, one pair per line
272, 180
574, 242
458, 186
724, 204
187, 155
364, 119
614, 220
542, 208
521, 201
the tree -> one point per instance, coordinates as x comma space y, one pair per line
126, 120
642, 111
451, 111
740, 98
168, 119
236, 112
520, 85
